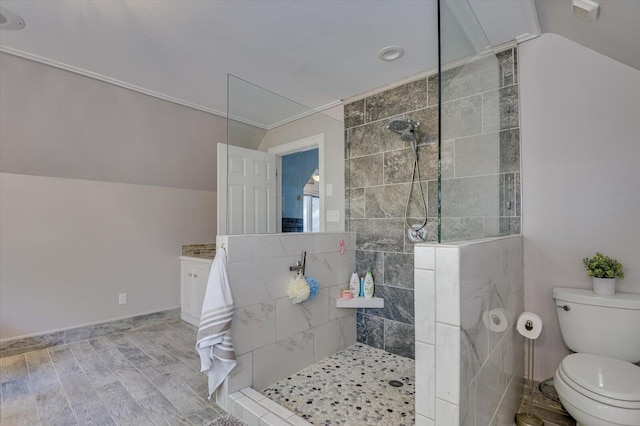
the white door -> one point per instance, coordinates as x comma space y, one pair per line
246, 191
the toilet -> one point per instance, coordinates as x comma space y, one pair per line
599, 384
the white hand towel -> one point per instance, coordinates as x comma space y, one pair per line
217, 357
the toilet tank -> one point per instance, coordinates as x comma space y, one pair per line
600, 325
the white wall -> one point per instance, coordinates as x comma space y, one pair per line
580, 127
69, 246
333, 130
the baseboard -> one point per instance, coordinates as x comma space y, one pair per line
62, 337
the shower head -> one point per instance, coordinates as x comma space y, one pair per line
401, 125
406, 128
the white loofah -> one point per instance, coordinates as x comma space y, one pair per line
298, 290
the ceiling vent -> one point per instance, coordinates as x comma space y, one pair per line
9, 20
586, 9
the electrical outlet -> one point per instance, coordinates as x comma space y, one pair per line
122, 298
333, 215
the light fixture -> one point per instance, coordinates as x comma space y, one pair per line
390, 53
9, 20
316, 176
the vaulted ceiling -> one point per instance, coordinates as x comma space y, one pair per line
314, 52
616, 32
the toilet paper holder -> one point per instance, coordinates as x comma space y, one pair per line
530, 326
495, 319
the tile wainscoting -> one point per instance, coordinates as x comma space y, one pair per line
468, 371
272, 337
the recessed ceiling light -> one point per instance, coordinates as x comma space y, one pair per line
9, 20
390, 53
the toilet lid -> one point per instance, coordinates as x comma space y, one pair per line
608, 377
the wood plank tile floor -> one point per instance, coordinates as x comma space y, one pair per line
147, 376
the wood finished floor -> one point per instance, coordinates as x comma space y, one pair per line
146, 376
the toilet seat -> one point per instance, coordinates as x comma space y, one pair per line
605, 380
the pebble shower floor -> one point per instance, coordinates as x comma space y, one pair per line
351, 388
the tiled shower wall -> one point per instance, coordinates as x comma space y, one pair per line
469, 356
480, 154
271, 336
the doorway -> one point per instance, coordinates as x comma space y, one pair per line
300, 194
300, 189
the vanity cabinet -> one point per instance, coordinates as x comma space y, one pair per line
193, 284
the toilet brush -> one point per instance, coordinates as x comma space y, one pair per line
528, 418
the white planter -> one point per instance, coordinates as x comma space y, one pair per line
604, 286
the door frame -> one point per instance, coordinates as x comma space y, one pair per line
300, 145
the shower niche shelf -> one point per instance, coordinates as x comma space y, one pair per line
360, 302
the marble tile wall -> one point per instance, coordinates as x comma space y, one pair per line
469, 357
272, 337
480, 167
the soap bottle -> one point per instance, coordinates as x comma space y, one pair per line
368, 285
354, 284
361, 294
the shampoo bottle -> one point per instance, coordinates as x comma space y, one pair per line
368, 285
354, 284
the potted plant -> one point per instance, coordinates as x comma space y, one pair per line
603, 270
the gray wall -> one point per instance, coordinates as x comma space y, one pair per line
70, 246
57, 123
581, 174
99, 188
378, 175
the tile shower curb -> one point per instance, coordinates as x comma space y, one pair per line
21, 345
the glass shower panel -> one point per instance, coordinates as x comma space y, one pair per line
471, 190
263, 127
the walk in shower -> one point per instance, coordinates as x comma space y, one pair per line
438, 152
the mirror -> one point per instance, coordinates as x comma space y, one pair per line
282, 169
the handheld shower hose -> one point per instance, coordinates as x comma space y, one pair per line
406, 128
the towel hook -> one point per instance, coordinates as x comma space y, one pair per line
300, 265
